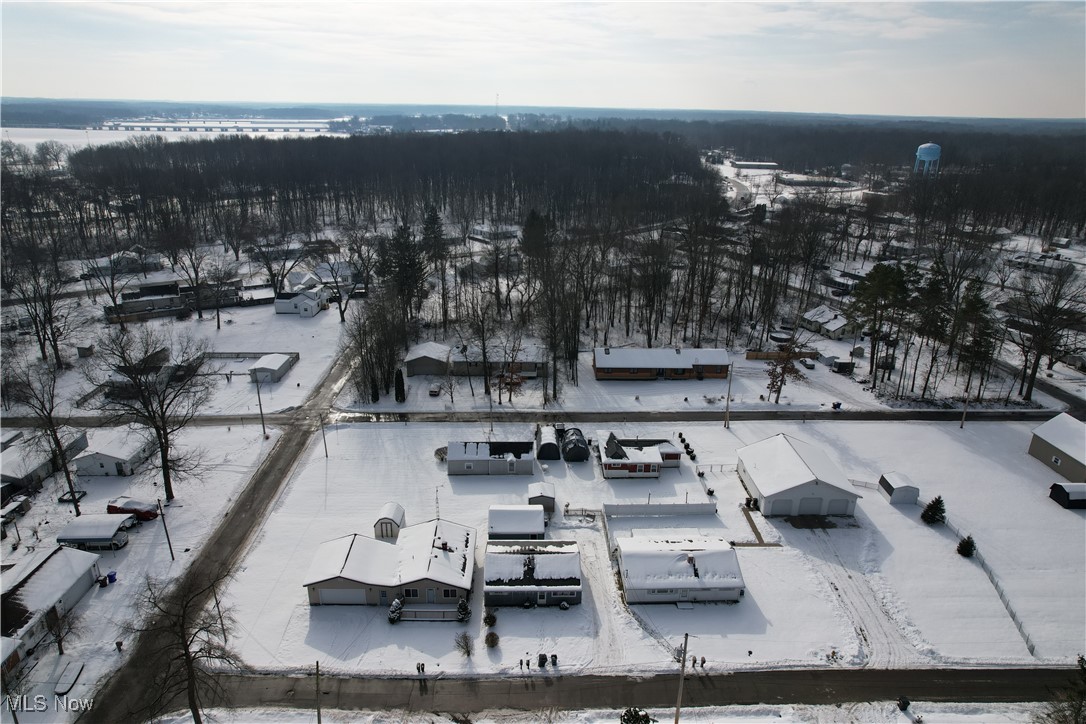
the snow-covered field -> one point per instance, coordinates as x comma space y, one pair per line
883, 589
231, 456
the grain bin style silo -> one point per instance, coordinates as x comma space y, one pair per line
927, 159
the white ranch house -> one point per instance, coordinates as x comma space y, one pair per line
113, 451
538, 572
679, 568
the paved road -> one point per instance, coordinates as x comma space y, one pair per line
541, 691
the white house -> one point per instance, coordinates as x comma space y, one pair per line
114, 451
828, 322
791, 477
679, 568
272, 367
538, 572
515, 522
1060, 444
305, 303
491, 458
48, 584
428, 563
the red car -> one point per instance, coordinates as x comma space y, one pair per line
130, 506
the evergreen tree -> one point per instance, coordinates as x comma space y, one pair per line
633, 715
401, 391
463, 611
967, 547
395, 611
375, 393
935, 512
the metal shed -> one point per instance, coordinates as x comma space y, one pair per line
574, 446
548, 444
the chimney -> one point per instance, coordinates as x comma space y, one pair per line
607, 350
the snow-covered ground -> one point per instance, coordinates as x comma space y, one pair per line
230, 458
883, 589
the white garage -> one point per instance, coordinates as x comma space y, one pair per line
787, 476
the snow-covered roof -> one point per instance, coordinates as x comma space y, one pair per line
117, 442
429, 350
834, 324
8, 645
899, 480
660, 358
507, 562
548, 434
537, 489
678, 563
1066, 434
50, 580
828, 317
437, 550
1075, 491
23, 455
631, 449
392, 511
510, 519
97, 526
459, 450
274, 361
782, 462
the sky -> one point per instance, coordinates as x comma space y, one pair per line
980, 59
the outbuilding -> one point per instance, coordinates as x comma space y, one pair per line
97, 532
1069, 495
542, 494
898, 488
1060, 444
574, 446
428, 358
677, 569
548, 444
787, 476
536, 573
114, 451
515, 522
491, 458
390, 520
272, 367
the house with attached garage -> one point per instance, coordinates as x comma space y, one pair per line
305, 303
536, 572
787, 476
678, 568
1060, 444
491, 458
635, 457
428, 567
114, 451
636, 363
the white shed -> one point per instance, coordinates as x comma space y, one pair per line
515, 522
898, 488
791, 477
271, 367
389, 521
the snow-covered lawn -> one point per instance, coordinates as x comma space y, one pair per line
880, 589
231, 457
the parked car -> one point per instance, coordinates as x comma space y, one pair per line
435, 389
130, 506
809, 364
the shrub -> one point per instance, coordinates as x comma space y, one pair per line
464, 644
935, 512
395, 611
491, 639
463, 610
967, 546
564, 605
490, 619
401, 390
633, 715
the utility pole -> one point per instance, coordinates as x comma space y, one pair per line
260, 404
323, 437
162, 516
682, 675
318, 692
728, 399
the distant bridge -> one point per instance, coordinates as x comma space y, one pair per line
226, 125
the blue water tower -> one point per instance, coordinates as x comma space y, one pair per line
927, 159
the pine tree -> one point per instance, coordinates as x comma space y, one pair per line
463, 611
395, 611
935, 512
967, 547
375, 393
633, 715
401, 391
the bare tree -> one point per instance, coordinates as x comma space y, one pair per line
159, 380
782, 368
1053, 310
39, 287
219, 278
60, 624
189, 641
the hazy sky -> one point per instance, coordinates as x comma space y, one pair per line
939, 58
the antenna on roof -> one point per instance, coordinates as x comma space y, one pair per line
437, 506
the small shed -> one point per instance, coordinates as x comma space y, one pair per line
574, 446
271, 367
542, 494
538, 573
548, 444
898, 488
113, 451
1060, 444
515, 522
1069, 495
389, 522
97, 532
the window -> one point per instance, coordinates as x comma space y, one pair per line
410, 593
564, 594
653, 469
640, 468
449, 592
661, 591
1056, 460
469, 466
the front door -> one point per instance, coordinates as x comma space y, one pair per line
512, 466
541, 598
430, 596
384, 598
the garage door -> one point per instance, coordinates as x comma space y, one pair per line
837, 506
810, 506
781, 507
332, 596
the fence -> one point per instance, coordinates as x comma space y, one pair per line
661, 509
410, 613
1004, 599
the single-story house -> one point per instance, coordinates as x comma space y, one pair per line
428, 563
28, 459
575, 447
515, 522
828, 322
433, 358
390, 521
538, 572
635, 457
547, 439
41, 589
305, 303
542, 494
272, 367
114, 451
97, 532
898, 488
666, 570
1069, 495
491, 458
635, 363
791, 477
1060, 444
428, 358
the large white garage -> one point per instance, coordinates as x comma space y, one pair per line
791, 477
